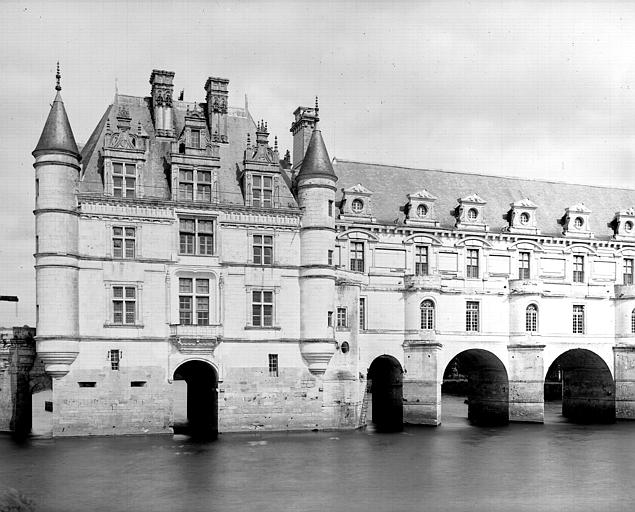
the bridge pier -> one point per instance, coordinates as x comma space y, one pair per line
526, 384
421, 384
624, 357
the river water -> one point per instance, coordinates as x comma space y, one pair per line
454, 467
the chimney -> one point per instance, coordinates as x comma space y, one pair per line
302, 129
161, 93
217, 95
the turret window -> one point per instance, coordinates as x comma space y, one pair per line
262, 192
531, 318
342, 320
196, 236
427, 314
124, 179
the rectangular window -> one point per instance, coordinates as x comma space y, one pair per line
123, 242
472, 316
124, 305
329, 257
262, 191
472, 263
204, 186
114, 356
186, 185
330, 208
362, 313
262, 308
195, 138
195, 185
342, 321
273, 365
523, 265
329, 318
193, 301
263, 249
578, 319
196, 236
124, 179
357, 256
578, 269
421, 260
628, 270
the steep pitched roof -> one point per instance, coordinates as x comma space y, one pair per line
316, 160
552, 198
57, 135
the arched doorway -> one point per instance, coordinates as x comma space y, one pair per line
583, 381
202, 399
480, 377
385, 378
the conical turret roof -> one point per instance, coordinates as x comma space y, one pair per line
57, 135
316, 161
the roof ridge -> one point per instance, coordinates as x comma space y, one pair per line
338, 160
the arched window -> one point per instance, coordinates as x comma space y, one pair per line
427, 314
633, 322
531, 318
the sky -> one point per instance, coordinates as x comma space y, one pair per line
540, 89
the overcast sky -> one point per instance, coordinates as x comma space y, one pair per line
536, 89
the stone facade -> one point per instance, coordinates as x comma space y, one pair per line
183, 267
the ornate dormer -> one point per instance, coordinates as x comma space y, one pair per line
356, 204
623, 225
162, 87
194, 161
217, 102
420, 209
576, 221
261, 179
522, 218
470, 213
124, 153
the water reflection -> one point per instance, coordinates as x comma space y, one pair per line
455, 467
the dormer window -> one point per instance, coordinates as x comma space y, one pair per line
628, 226
623, 224
422, 210
578, 223
262, 192
195, 185
357, 205
472, 214
469, 213
124, 179
524, 218
419, 209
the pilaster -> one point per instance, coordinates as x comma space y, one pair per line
421, 383
526, 384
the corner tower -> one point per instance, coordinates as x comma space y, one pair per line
315, 185
56, 239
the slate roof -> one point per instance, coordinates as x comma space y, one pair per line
57, 135
391, 185
316, 161
155, 184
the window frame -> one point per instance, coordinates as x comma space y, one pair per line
124, 176
579, 319
427, 315
261, 259
578, 268
114, 358
531, 318
362, 305
472, 271
114, 310
274, 365
422, 260
341, 317
627, 271
197, 235
357, 248
472, 316
524, 265
262, 305
123, 237
633, 321
265, 194
195, 295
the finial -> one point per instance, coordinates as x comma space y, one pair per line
275, 143
248, 139
58, 87
317, 108
265, 125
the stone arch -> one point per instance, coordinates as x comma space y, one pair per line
585, 384
385, 384
481, 376
201, 396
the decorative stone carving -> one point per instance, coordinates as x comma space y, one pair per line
420, 209
522, 218
469, 213
576, 222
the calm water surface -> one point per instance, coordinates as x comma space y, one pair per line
455, 467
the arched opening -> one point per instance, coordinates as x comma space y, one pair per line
202, 399
583, 382
385, 383
479, 379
